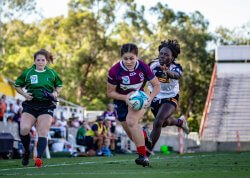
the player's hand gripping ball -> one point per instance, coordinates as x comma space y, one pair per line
138, 100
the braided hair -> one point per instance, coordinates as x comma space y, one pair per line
129, 47
173, 45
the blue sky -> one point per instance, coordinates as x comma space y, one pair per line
226, 13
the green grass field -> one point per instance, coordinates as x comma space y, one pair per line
168, 166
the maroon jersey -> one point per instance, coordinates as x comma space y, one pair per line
128, 81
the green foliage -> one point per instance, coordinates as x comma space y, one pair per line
86, 44
193, 122
237, 36
10, 9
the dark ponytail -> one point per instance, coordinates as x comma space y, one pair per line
45, 53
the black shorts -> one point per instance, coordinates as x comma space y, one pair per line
156, 103
112, 129
89, 143
37, 108
81, 141
122, 110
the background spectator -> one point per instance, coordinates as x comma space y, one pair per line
17, 105
111, 115
10, 119
95, 136
63, 122
11, 111
3, 107
75, 122
17, 115
80, 135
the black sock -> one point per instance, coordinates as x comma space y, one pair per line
26, 142
41, 145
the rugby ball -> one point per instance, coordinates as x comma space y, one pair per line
138, 99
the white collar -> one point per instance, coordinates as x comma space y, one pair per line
40, 70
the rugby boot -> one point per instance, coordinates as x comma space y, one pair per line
25, 159
184, 126
38, 162
142, 160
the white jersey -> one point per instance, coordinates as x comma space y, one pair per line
169, 87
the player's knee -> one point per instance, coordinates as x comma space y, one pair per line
42, 133
24, 130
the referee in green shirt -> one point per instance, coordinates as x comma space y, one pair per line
43, 86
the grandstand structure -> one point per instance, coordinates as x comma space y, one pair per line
225, 124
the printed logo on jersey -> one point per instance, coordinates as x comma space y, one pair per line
131, 87
141, 76
132, 74
162, 77
163, 80
125, 80
33, 79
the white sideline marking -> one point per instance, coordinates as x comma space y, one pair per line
128, 172
64, 164
93, 162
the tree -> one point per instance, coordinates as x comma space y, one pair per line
86, 44
236, 36
9, 10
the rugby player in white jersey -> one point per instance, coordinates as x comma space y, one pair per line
165, 103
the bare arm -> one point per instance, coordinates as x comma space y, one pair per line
156, 88
170, 74
28, 96
57, 91
173, 74
111, 92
